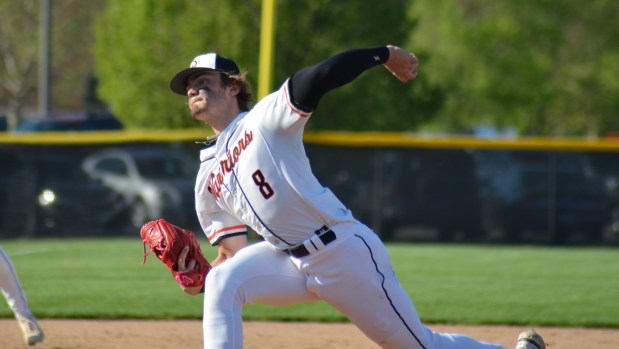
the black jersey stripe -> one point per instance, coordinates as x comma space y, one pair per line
410, 330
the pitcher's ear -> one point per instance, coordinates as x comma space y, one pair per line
235, 89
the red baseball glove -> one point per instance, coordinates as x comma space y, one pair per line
167, 241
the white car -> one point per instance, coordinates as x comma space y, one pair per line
156, 182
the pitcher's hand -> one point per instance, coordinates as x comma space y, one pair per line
403, 64
184, 266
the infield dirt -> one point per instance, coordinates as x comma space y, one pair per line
94, 334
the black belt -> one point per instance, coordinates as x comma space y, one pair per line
326, 237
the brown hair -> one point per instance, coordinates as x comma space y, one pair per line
244, 98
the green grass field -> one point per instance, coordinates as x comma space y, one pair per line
460, 284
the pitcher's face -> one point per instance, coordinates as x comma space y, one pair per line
206, 96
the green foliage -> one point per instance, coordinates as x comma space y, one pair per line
542, 67
375, 101
132, 55
72, 60
141, 44
104, 278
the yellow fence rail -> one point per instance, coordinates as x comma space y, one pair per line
335, 138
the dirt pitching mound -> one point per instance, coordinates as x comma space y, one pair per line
91, 334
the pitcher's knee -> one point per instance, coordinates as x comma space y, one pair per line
220, 284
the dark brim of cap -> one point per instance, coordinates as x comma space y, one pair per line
178, 84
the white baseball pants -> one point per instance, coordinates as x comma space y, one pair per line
354, 274
11, 287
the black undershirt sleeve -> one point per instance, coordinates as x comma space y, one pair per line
310, 84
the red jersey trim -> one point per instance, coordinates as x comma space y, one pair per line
294, 109
225, 231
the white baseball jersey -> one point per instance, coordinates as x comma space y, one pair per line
257, 174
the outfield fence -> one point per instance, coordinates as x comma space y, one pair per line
406, 187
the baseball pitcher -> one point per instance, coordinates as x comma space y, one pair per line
256, 174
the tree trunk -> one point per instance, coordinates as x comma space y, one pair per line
13, 116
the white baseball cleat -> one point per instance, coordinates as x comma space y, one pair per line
31, 330
530, 340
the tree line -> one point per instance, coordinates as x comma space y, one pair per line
538, 67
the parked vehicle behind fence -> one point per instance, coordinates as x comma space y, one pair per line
155, 182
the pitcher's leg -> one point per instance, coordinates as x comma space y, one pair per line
358, 279
256, 274
452, 340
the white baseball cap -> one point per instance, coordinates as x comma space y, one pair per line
203, 63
